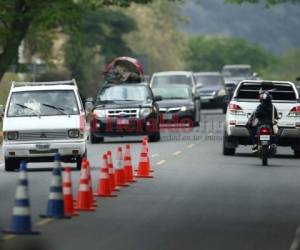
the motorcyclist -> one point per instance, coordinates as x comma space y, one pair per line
265, 114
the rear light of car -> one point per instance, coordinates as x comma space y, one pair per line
235, 109
264, 131
295, 111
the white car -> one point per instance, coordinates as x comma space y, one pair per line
42, 119
243, 104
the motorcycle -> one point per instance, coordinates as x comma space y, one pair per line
266, 148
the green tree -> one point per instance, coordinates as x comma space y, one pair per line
211, 53
98, 40
158, 38
17, 17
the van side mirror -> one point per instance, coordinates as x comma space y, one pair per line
1, 110
157, 98
89, 105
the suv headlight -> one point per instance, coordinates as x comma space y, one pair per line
74, 133
12, 135
146, 111
99, 113
183, 108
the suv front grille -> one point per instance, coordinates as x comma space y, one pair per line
42, 135
123, 113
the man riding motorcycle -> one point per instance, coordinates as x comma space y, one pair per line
265, 114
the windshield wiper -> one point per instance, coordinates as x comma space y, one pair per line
26, 107
61, 110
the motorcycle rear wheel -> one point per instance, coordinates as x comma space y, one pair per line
264, 155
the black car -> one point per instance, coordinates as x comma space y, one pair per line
124, 110
178, 106
213, 91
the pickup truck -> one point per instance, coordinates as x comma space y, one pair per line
243, 104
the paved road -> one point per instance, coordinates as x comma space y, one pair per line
199, 199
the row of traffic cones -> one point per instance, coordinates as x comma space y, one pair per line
61, 204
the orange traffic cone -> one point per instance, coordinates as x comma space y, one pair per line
67, 191
120, 172
146, 145
128, 165
93, 200
104, 187
111, 172
144, 165
84, 202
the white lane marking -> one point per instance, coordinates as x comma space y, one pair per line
44, 222
296, 241
155, 155
191, 145
160, 162
177, 153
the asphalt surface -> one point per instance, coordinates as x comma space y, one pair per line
198, 199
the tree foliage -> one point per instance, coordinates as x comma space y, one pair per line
211, 53
98, 40
17, 17
157, 40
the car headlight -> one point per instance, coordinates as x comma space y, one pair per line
74, 133
99, 113
183, 108
221, 92
146, 111
12, 135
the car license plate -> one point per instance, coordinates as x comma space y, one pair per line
167, 116
122, 122
204, 100
264, 137
42, 147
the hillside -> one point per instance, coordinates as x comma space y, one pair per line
276, 28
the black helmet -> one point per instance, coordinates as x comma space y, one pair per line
265, 96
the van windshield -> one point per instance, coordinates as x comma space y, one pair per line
42, 103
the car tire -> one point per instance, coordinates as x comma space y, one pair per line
297, 153
11, 164
227, 150
224, 109
94, 139
79, 160
154, 137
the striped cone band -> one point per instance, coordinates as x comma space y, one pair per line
104, 173
22, 192
56, 181
55, 196
84, 187
67, 176
67, 190
21, 211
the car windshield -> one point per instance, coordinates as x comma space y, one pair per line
209, 80
173, 93
42, 103
161, 80
123, 93
236, 72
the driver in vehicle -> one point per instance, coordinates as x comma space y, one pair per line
265, 114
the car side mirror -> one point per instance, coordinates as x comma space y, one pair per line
1, 110
157, 98
255, 74
199, 85
89, 105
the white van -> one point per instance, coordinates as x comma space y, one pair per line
42, 119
